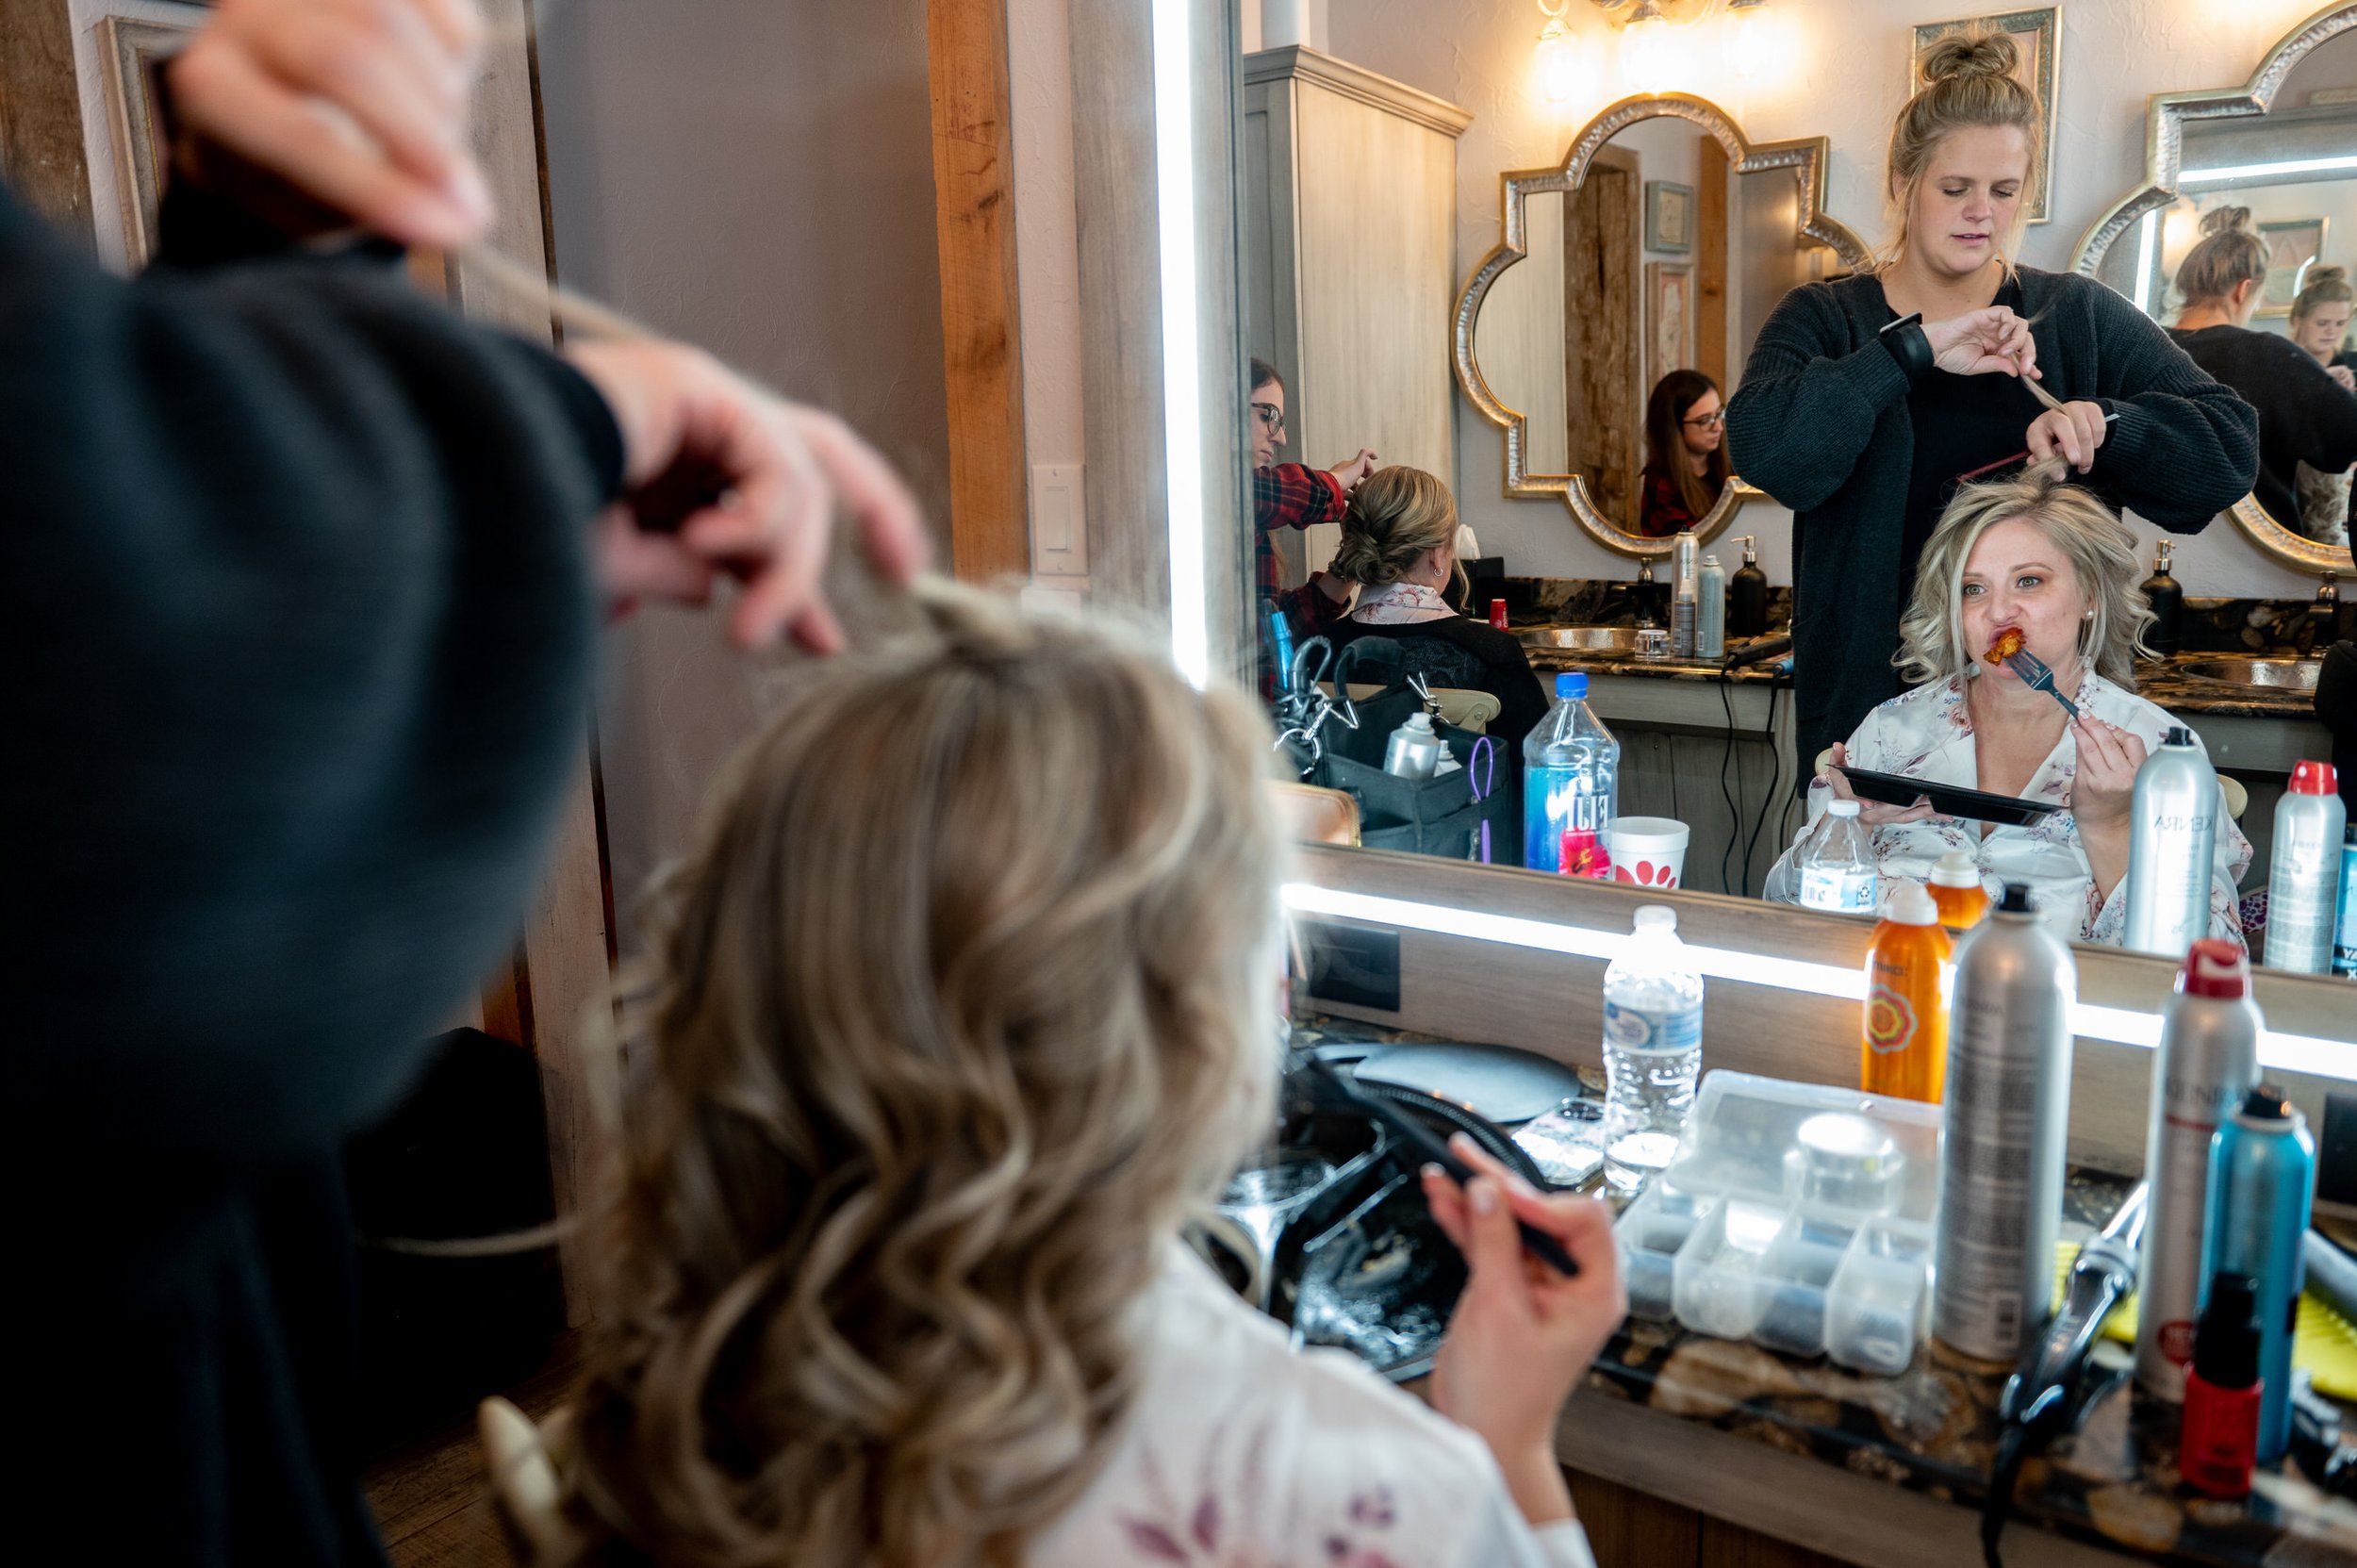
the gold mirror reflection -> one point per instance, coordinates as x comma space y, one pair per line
1658, 246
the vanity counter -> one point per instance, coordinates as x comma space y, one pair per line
2162, 682
1890, 1471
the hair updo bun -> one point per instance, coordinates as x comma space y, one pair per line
2322, 286
2322, 274
1967, 53
1968, 84
2226, 256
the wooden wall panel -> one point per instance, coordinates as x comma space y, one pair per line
1601, 311
981, 316
1710, 261
41, 152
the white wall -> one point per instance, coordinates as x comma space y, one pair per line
755, 176
1849, 80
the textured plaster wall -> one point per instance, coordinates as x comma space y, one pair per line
1847, 79
755, 176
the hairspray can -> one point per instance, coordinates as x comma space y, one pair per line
1686, 592
2001, 1162
2172, 838
2304, 872
2263, 1172
2208, 1059
2345, 944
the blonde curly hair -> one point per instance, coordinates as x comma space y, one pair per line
963, 999
2102, 550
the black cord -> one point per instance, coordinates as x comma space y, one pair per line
1775, 779
2012, 1448
1727, 791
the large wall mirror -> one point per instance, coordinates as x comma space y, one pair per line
2285, 145
1660, 243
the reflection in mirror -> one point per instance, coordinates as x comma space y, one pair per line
1659, 246
2241, 246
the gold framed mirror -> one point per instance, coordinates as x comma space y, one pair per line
2285, 145
1754, 225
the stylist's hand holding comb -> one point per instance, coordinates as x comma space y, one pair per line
1523, 1335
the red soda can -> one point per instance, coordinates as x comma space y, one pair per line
1497, 614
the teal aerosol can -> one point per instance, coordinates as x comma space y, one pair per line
2263, 1172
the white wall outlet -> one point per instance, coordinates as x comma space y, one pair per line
1060, 536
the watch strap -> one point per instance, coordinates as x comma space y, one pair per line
1904, 339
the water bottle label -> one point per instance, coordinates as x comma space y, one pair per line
1845, 892
1646, 1029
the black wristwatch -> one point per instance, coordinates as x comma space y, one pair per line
1904, 339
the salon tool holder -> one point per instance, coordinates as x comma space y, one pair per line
1798, 1215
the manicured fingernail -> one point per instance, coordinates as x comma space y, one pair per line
1484, 1194
1432, 1171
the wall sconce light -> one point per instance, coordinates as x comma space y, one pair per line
1755, 41
1558, 61
1649, 53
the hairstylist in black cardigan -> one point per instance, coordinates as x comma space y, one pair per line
1867, 400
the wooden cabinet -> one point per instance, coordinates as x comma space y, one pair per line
1349, 260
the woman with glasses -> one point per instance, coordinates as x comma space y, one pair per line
1686, 455
1290, 495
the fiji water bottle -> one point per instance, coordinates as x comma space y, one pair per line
1571, 774
1836, 865
1652, 1050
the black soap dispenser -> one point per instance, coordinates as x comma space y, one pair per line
2167, 600
1747, 594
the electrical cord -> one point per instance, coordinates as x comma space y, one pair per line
1726, 792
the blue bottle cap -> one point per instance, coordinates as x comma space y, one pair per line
1571, 685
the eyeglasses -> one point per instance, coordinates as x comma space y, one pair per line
1271, 416
1709, 422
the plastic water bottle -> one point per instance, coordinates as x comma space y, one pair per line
1652, 1050
1571, 774
1836, 865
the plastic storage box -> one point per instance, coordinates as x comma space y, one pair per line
1796, 1216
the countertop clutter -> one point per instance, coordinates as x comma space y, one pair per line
1932, 1429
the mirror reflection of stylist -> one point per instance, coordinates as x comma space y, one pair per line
2306, 415
1867, 400
1290, 495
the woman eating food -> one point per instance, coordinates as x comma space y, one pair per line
1868, 400
2022, 573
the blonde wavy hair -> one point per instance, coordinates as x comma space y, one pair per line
963, 1000
1968, 82
2102, 550
1395, 515
2227, 255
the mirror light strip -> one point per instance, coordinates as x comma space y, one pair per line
2265, 171
2300, 1053
1182, 349
2147, 229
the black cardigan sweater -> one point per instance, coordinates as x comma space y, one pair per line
2304, 415
301, 620
1820, 423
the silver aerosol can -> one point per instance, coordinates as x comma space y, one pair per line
2304, 872
1686, 593
2173, 834
2001, 1162
1416, 748
2208, 1061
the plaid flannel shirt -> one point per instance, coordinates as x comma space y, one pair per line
1288, 495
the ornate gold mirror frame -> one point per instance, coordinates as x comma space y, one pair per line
2164, 161
1806, 156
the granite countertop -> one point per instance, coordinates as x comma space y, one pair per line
2160, 681
1933, 1428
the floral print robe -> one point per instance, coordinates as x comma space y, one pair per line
1245, 1453
1927, 733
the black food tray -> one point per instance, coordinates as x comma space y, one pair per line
1948, 799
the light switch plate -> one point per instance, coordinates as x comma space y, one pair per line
1060, 536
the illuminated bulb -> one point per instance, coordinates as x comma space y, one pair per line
1754, 42
1557, 62
1648, 51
